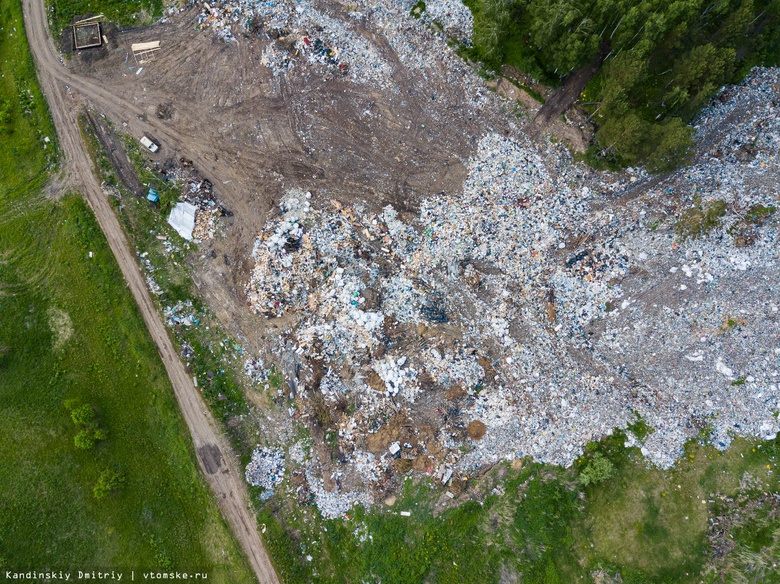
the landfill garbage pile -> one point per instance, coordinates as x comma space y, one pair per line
337, 503
181, 314
266, 469
334, 38
301, 31
539, 308
197, 191
452, 15
696, 332
255, 370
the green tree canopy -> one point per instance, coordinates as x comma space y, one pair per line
665, 60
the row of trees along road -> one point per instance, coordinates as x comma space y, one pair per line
657, 61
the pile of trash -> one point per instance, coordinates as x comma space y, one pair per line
255, 370
266, 469
198, 206
453, 16
334, 39
335, 504
301, 29
151, 283
181, 314
548, 303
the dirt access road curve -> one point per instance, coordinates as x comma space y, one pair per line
221, 472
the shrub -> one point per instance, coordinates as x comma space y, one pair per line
699, 220
84, 440
108, 482
90, 431
83, 415
598, 469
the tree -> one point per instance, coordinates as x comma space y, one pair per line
665, 60
673, 144
626, 135
83, 416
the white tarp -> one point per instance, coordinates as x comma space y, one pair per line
182, 219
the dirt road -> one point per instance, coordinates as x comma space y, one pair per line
220, 470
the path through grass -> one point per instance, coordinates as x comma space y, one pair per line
70, 331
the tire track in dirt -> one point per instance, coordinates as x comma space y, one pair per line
221, 471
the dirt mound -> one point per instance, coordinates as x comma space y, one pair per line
476, 430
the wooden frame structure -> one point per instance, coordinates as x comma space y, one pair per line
87, 33
143, 52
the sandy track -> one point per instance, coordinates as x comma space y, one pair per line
220, 470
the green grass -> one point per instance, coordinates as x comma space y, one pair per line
651, 524
526, 529
70, 330
699, 219
640, 428
417, 9
49, 513
121, 12
24, 119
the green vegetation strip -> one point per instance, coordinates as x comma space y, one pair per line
610, 514
121, 12
75, 360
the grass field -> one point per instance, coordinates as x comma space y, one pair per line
24, 120
121, 12
69, 330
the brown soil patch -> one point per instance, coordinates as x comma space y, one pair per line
455, 392
399, 428
509, 90
375, 382
476, 430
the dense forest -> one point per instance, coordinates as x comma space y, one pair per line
657, 62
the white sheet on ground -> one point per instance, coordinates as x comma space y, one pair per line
182, 219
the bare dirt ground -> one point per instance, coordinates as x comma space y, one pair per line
221, 472
116, 154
